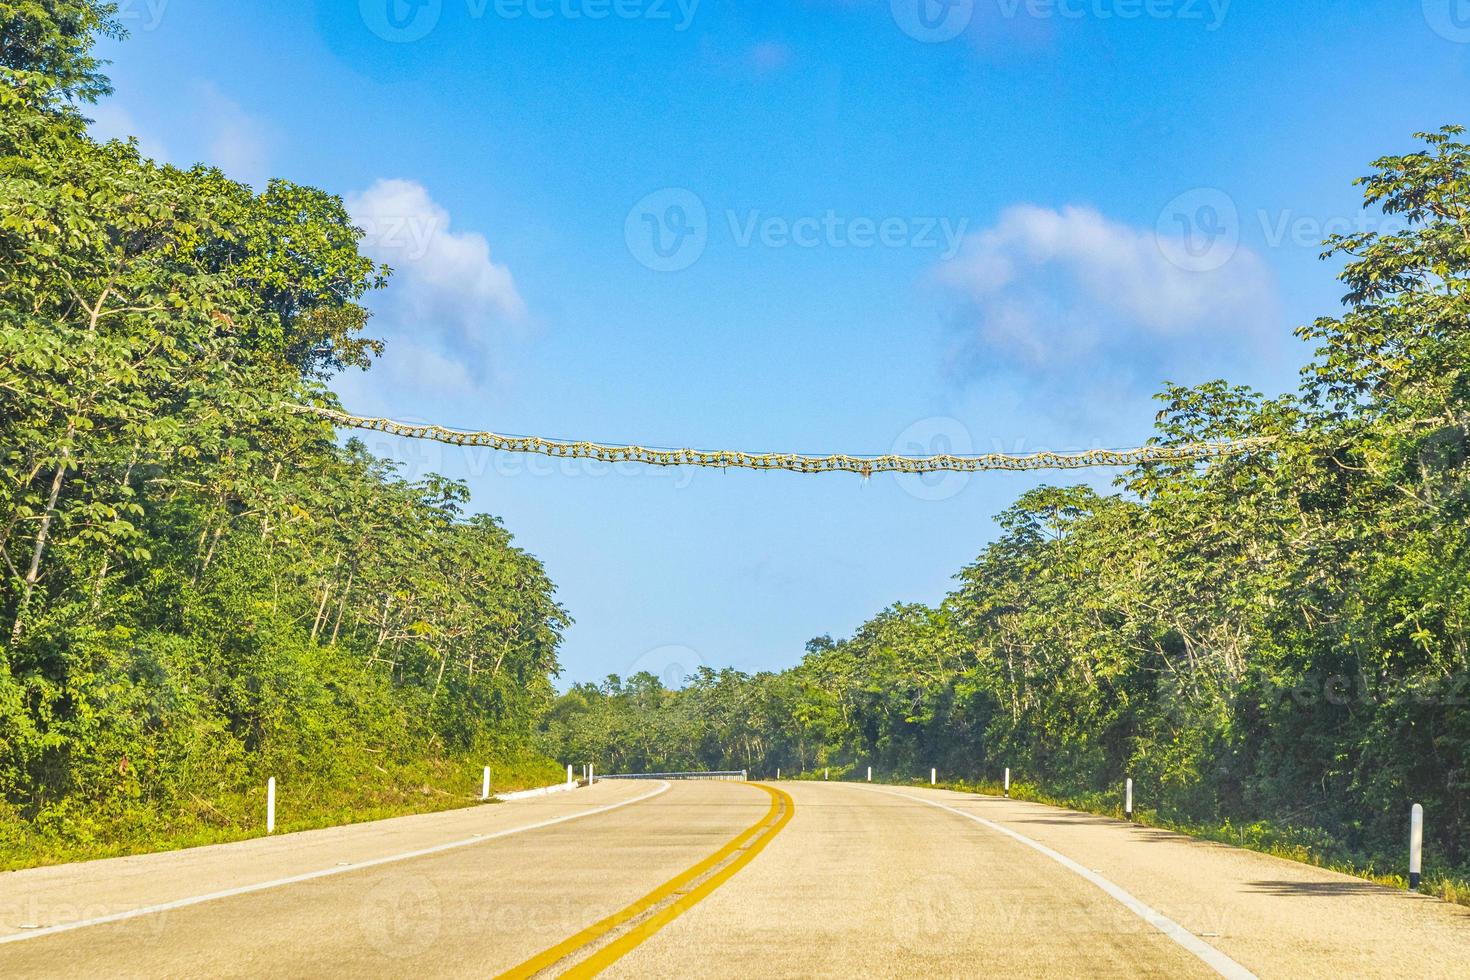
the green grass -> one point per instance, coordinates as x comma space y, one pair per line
302, 803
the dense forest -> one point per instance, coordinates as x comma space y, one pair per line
1277, 639
202, 587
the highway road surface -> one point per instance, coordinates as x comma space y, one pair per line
722, 879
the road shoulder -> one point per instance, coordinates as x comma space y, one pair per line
1277, 917
37, 899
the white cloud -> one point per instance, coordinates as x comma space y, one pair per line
211, 128
234, 140
768, 57
111, 121
1068, 322
446, 292
1044, 285
407, 374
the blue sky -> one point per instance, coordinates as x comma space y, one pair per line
813, 225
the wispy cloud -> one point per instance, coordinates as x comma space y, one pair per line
767, 57
111, 121
1064, 307
205, 126
1043, 284
442, 273
237, 142
747, 60
410, 377
448, 302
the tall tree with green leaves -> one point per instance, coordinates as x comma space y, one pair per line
197, 582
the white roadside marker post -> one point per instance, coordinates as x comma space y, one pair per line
870, 774
1416, 845
778, 773
933, 776
270, 805
1128, 798
1008, 782
591, 773
569, 774
485, 784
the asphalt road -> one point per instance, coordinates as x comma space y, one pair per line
719, 879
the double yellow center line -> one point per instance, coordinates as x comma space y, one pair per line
665, 903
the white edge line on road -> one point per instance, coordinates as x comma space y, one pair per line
1211, 956
525, 794
313, 875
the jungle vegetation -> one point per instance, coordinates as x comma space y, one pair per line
1278, 641
200, 587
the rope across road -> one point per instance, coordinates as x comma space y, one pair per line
794, 462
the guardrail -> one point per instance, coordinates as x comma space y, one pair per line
733, 774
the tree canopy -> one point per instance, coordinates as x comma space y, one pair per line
199, 586
1282, 636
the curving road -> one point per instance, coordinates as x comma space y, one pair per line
716, 879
